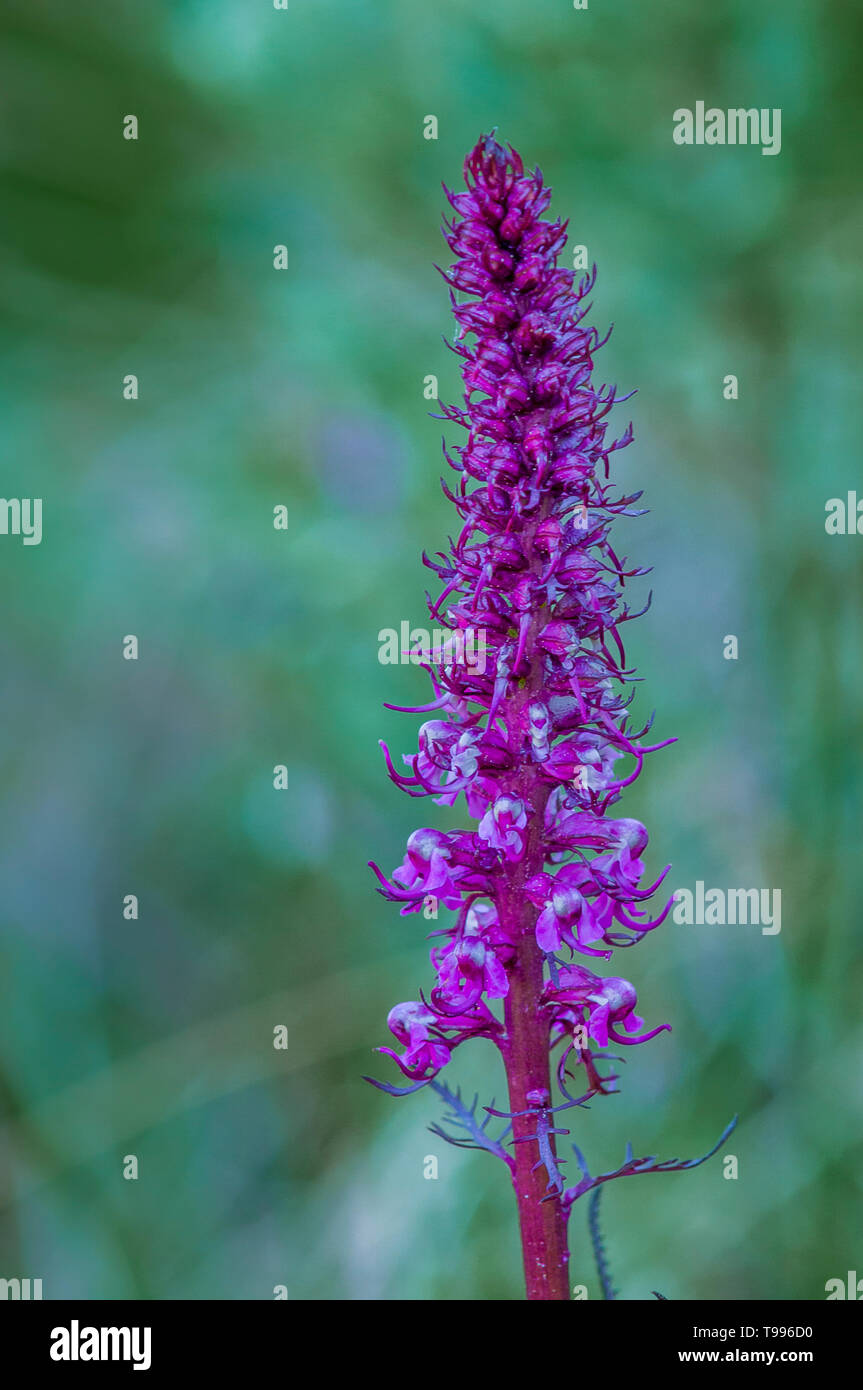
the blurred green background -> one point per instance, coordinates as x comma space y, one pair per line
258, 647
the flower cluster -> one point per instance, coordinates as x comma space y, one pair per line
534, 741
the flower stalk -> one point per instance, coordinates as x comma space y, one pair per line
530, 735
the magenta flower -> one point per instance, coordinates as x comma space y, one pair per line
503, 826
605, 1003
473, 962
566, 916
429, 1035
538, 737
411, 1024
426, 869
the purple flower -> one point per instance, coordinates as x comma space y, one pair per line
567, 917
607, 1003
411, 1024
426, 868
429, 1035
502, 826
473, 962
539, 737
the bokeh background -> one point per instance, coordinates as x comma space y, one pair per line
258, 647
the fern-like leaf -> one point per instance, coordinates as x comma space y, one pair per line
631, 1166
602, 1269
465, 1118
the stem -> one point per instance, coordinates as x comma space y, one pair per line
526, 1052
542, 1224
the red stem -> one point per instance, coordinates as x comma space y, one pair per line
526, 1050
542, 1224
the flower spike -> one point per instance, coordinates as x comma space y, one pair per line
535, 740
